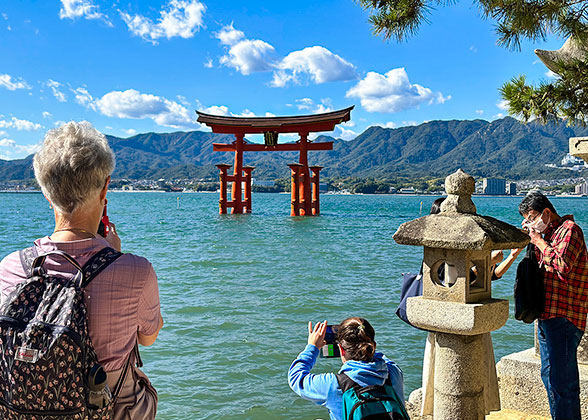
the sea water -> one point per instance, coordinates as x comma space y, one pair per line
237, 291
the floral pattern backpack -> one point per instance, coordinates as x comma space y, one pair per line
46, 354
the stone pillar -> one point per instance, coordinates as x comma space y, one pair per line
459, 396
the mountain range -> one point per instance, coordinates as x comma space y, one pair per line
504, 147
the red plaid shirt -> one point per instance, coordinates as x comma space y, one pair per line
565, 272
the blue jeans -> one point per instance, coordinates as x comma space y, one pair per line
558, 344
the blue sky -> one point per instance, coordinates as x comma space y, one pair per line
139, 66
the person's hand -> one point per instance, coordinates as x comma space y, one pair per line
515, 252
535, 236
496, 256
112, 238
316, 335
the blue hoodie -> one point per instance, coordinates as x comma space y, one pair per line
324, 389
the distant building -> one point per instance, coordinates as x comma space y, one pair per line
511, 188
582, 189
494, 186
569, 160
408, 190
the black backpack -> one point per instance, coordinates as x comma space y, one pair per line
47, 362
373, 402
529, 290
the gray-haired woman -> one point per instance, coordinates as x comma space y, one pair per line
73, 168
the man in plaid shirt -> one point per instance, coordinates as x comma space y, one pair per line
562, 256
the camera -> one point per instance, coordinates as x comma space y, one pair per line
330, 349
104, 226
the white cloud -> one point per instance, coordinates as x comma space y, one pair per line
183, 100
228, 35
254, 55
503, 105
552, 75
388, 124
304, 103
47, 114
217, 110
223, 110
479, 111
73, 9
317, 63
20, 125
391, 124
5, 16
9, 83
309, 105
249, 56
473, 49
54, 86
392, 92
244, 55
208, 63
131, 131
344, 133
9, 149
181, 18
137, 105
84, 98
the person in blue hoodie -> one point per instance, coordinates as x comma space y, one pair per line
361, 363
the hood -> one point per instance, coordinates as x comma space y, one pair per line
367, 373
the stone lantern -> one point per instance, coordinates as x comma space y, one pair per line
457, 299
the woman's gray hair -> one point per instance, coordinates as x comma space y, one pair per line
74, 162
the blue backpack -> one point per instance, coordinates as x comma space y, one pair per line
373, 402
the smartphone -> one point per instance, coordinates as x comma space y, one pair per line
330, 349
104, 226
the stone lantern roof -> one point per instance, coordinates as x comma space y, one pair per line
458, 226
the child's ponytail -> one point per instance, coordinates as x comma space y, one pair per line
357, 337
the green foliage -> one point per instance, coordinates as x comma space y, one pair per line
566, 97
516, 19
398, 19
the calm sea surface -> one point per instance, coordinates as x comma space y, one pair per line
237, 292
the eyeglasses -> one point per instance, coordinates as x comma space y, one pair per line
529, 220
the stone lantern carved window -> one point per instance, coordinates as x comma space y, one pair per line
458, 244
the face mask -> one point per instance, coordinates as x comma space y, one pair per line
539, 225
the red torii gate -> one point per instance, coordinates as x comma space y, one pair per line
302, 203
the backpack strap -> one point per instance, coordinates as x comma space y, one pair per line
345, 382
27, 256
98, 263
123, 375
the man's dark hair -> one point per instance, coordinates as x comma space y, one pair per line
436, 206
535, 201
